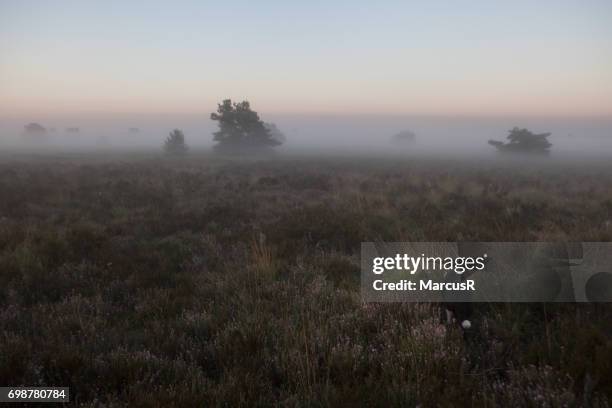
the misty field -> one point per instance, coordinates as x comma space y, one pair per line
204, 281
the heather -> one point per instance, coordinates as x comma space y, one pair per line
150, 280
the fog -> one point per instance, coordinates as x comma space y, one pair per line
313, 133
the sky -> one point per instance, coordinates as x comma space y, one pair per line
484, 58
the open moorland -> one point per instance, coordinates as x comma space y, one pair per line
138, 280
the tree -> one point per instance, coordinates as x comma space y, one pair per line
240, 128
523, 141
175, 143
34, 129
405, 136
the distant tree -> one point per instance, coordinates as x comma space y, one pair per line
523, 141
175, 143
405, 136
34, 132
34, 129
72, 130
240, 129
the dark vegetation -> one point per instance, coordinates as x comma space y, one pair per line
204, 282
523, 141
34, 128
175, 144
404, 137
242, 131
34, 131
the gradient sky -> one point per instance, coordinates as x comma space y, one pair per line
405, 57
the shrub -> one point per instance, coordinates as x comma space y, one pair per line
175, 143
523, 141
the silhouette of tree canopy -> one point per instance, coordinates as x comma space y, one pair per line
175, 143
405, 136
240, 128
34, 128
34, 133
523, 141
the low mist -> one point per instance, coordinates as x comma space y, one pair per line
457, 136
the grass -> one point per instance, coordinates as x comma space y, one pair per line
141, 281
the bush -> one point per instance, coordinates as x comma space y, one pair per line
523, 141
175, 143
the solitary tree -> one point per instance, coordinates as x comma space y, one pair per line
240, 129
523, 141
34, 129
175, 143
34, 133
405, 136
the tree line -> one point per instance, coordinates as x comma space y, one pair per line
242, 131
